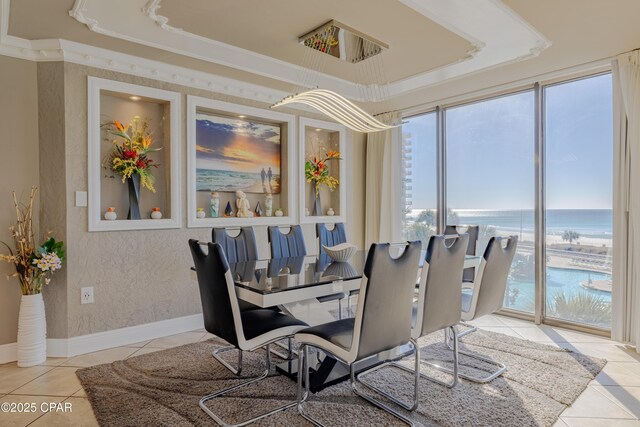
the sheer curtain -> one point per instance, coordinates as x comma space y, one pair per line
626, 202
384, 183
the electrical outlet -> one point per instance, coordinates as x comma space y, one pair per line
86, 295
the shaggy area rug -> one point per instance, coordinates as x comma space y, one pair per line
163, 388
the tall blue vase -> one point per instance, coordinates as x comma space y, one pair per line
317, 205
134, 196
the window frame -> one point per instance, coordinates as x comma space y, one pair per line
538, 86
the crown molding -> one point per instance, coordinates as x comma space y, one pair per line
78, 53
497, 34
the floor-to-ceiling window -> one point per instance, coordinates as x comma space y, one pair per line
490, 180
420, 177
578, 173
488, 174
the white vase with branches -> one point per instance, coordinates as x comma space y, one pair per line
34, 266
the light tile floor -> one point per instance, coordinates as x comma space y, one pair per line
612, 399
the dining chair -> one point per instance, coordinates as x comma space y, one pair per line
439, 296
473, 231
241, 247
292, 245
331, 237
486, 295
286, 245
382, 323
244, 330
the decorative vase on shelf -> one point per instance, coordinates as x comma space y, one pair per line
200, 213
268, 205
317, 205
133, 183
110, 214
156, 214
32, 331
215, 204
279, 212
228, 211
330, 212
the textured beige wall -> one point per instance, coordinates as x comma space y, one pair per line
19, 166
53, 188
143, 276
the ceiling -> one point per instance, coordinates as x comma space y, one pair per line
272, 28
437, 49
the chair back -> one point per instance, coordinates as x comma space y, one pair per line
212, 270
440, 288
240, 248
384, 314
473, 231
286, 245
328, 237
493, 282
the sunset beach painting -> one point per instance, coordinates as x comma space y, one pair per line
237, 154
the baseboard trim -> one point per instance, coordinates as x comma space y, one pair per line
68, 347
8, 352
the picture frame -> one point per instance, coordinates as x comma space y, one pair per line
285, 199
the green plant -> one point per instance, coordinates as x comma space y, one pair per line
582, 307
570, 236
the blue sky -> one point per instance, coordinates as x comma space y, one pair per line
490, 150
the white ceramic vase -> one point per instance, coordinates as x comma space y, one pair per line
32, 331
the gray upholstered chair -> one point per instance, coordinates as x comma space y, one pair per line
286, 245
382, 322
439, 295
239, 248
292, 245
329, 238
486, 294
244, 330
473, 231
332, 237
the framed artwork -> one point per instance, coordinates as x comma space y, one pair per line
237, 154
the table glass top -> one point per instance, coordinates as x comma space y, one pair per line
282, 274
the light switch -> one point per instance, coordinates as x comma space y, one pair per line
81, 199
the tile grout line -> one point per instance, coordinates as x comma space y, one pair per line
615, 403
33, 379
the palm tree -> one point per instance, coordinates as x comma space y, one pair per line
570, 236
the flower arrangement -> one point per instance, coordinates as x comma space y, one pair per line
317, 172
130, 155
34, 265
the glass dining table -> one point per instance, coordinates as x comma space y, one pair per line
294, 284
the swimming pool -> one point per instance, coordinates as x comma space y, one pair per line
558, 279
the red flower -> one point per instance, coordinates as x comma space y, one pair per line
129, 154
141, 164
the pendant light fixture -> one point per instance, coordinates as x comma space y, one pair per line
342, 42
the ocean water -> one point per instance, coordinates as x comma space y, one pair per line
587, 222
220, 180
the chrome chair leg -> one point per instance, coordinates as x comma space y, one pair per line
495, 374
454, 372
340, 309
262, 376
216, 355
289, 347
416, 371
303, 377
501, 368
470, 329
